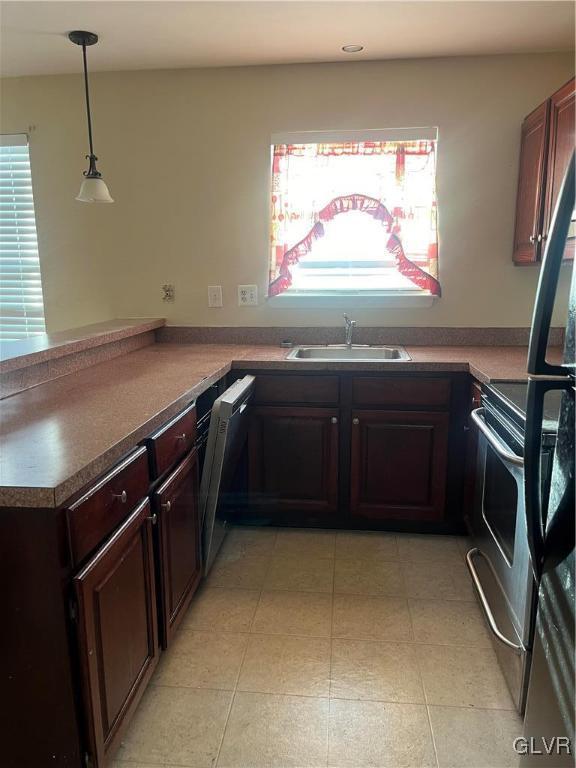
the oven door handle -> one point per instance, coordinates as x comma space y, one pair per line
517, 648
499, 446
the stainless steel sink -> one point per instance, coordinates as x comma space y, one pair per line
355, 352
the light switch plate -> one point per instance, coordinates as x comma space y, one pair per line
214, 295
247, 295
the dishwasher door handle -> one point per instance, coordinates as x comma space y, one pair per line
499, 446
475, 552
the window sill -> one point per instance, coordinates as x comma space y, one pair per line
350, 300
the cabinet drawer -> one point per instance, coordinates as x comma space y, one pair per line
296, 389
396, 392
172, 441
102, 508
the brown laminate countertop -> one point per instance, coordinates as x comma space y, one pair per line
61, 435
15, 355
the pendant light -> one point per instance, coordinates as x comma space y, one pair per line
93, 188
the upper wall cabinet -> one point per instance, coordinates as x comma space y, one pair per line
546, 146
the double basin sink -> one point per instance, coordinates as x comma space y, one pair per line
357, 352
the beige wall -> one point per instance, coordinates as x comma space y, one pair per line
186, 155
72, 259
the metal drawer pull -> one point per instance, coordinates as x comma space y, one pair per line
334, 420
122, 496
500, 447
355, 422
167, 506
181, 437
519, 649
153, 518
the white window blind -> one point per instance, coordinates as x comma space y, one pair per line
21, 302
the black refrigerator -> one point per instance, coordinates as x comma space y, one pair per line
550, 709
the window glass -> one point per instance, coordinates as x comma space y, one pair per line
354, 217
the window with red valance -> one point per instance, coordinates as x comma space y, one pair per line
354, 217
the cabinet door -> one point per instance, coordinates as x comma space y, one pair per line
531, 180
399, 461
561, 146
293, 458
117, 630
176, 503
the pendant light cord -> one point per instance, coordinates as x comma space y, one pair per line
87, 100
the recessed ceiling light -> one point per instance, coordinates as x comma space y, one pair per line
352, 48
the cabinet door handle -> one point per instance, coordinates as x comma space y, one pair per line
334, 420
532, 239
153, 518
181, 437
167, 506
355, 421
122, 496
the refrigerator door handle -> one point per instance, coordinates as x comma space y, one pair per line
535, 524
532, 474
545, 295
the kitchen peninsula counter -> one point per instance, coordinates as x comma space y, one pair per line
62, 434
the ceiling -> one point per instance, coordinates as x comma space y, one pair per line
165, 35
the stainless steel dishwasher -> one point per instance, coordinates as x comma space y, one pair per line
226, 439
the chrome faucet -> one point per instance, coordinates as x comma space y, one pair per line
350, 325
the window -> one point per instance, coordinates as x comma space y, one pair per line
21, 304
354, 217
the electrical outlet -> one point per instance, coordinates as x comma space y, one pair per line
168, 292
214, 295
247, 295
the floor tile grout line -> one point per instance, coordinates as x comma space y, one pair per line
332, 627
355, 638
425, 692
432, 736
235, 690
233, 698
329, 715
217, 758
396, 595
429, 705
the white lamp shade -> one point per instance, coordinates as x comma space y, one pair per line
94, 190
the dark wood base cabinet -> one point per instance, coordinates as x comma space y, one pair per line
381, 450
176, 505
90, 589
117, 630
399, 463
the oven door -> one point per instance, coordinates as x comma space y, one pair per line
500, 561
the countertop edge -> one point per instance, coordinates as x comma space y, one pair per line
42, 497
100, 336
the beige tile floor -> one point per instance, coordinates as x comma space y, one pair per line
310, 648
